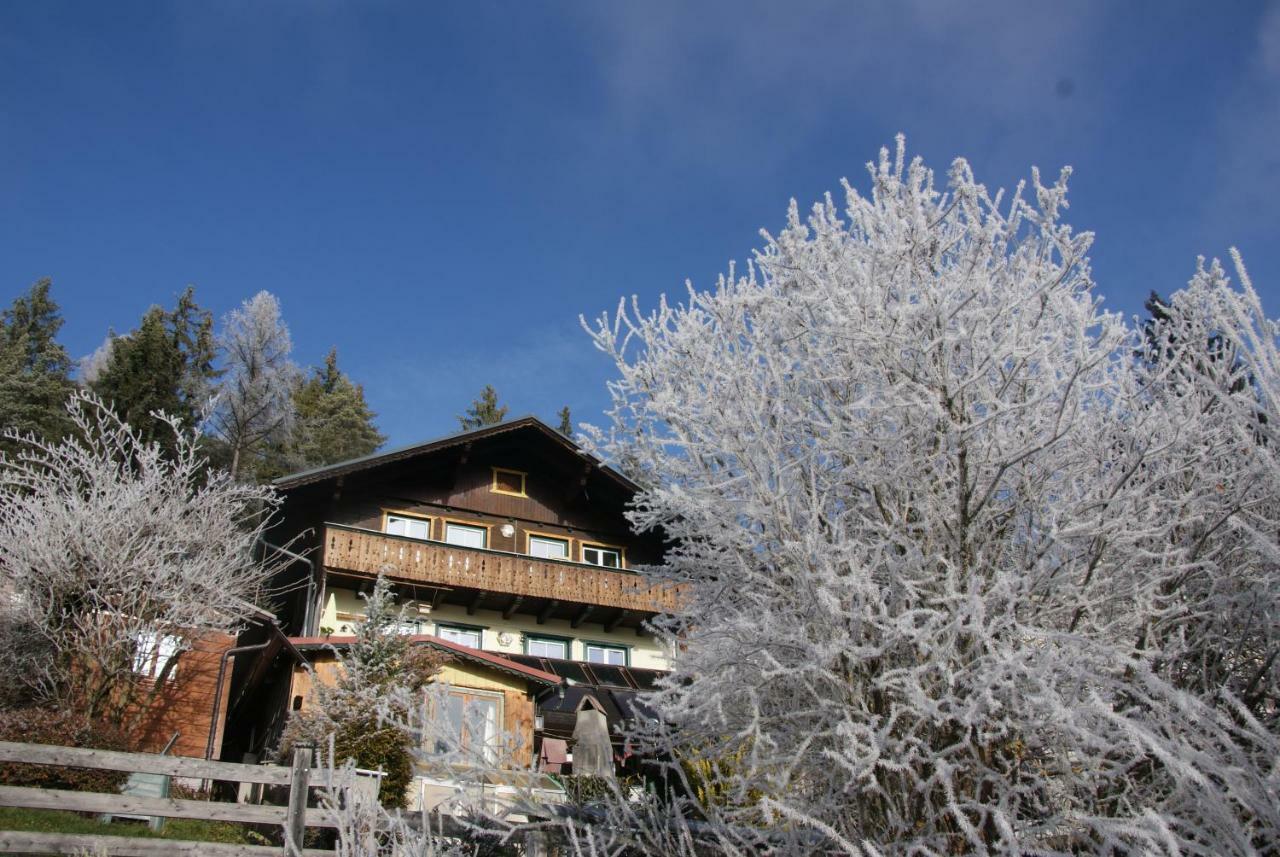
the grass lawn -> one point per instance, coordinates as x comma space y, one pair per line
59, 821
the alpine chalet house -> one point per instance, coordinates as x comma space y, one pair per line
509, 547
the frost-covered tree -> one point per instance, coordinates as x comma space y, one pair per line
111, 546
962, 575
255, 399
366, 706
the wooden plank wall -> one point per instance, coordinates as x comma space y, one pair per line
184, 703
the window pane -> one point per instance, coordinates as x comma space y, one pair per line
417, 528
460, 534
465, 636
168, 649
548, 648
508, 481
607, 655
452, 728
601, 556
144, 652
548, 548
480, 729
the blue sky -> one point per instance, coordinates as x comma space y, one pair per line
439, 190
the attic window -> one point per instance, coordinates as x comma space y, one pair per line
508, 482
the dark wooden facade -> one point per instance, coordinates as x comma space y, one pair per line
336, 517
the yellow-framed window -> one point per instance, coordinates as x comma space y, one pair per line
508, 481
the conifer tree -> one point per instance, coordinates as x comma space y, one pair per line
255, 401
484, 411
381, 672
143, 376
566, 422
35, 371
165, 365
192, 329
333, 423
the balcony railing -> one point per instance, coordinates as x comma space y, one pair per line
370, 552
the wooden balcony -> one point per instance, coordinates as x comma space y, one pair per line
368, 552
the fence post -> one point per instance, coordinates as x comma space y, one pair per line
296, 823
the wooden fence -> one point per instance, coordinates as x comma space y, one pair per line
293, 819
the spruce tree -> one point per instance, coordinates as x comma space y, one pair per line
166, 364
333, 423
143, 377
484, 411
35, 371
566, 422
381, 669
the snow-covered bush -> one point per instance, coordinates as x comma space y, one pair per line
112, 550
972, 565
965, 575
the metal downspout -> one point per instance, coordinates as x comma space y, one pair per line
217, 691
222, 671
309, 617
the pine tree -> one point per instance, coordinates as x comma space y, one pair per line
566, 422
192, 329
35, 371
484, 411
333, 423
166, 365
143, 378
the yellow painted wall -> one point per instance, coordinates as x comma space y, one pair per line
344, 607
517, 704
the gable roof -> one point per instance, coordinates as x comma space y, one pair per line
486, 659
377, 459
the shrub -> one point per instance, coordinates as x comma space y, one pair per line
371, 744
66, 729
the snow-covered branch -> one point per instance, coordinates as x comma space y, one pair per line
112, 550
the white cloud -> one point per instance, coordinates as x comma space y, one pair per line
1247, 130
1269, 40
700, 80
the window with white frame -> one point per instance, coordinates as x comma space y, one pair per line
547, 647
459, 634
152, 653
600, 555
548, 548
404, 525
466, 535
598, 653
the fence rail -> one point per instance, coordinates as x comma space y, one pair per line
23, 842
294, 818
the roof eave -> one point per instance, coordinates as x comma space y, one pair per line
355, 465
